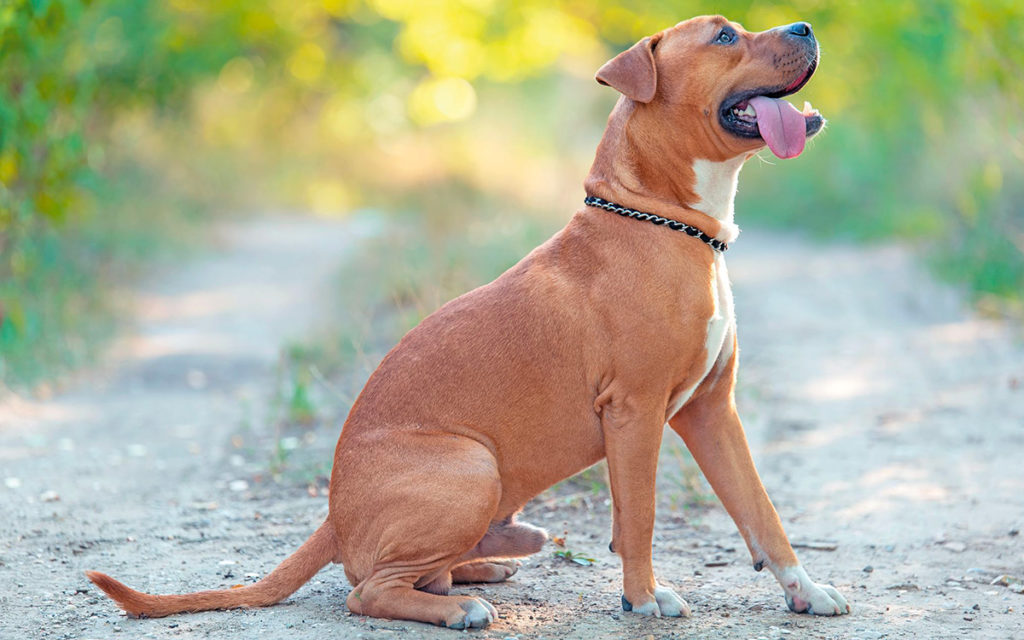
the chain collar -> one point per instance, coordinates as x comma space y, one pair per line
675, 225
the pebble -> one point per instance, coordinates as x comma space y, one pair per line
903, 586
195, 379
12, 483
49, 496
868, 569
238, 485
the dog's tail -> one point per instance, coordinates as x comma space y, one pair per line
295, 571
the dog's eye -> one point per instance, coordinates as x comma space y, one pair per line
725, 36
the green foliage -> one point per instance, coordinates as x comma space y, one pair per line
66, 200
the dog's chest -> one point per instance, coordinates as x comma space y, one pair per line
717, 340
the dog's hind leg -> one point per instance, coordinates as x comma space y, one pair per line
432, 508
399, 600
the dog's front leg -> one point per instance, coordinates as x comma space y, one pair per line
714, 435
632, 435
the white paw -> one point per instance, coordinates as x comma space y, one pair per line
805, 596
666, 603
479, 614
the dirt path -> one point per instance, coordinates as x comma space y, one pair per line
884, 418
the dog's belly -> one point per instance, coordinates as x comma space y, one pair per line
718, 342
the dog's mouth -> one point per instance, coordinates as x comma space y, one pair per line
761, 113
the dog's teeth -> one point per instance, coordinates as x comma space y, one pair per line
747, 113
809, 110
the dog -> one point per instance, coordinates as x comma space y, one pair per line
620, 323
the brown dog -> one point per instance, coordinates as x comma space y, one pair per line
582, 351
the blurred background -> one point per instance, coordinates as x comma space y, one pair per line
126, 127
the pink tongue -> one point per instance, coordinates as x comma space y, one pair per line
781, 126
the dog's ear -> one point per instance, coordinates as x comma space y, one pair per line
633, 72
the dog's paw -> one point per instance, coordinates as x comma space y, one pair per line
479, 614
663, 602
819, 600
805, 596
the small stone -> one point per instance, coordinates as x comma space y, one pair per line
49, 496
195, 379
238, 485
12, 483
903, 586
977, 607
955, 547
868, 569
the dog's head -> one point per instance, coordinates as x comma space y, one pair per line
709, 72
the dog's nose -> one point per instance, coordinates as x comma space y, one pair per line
800, 30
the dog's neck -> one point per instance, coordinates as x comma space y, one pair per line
715, 185
652, 173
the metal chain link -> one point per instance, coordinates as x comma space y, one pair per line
675, 225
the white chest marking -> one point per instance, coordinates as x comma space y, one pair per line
720, 325
716, 187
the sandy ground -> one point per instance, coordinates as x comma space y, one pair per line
886, 420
